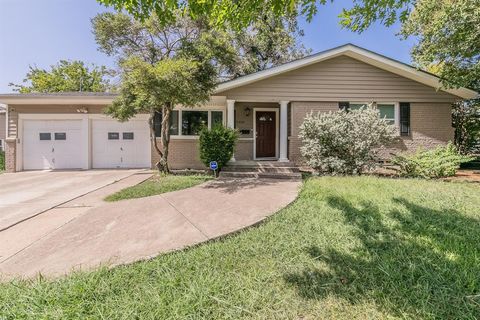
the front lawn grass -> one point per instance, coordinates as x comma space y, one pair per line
348, 248
158, 184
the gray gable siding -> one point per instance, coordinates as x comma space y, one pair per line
338, 79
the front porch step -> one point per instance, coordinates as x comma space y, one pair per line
261, 169
264, 175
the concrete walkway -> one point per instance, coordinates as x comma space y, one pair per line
65, 238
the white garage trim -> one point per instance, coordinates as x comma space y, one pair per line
86, 133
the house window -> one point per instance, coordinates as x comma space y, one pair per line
387, 112
193, 122
157, 123
113, 136
127, 135
1, 145
45, 136
357, 106
217, 118
60, 136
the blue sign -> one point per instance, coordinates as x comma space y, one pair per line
213, 165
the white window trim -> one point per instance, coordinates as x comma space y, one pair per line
180, 135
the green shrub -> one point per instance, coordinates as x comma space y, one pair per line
2, 160
217, 144
344, 142
440, 162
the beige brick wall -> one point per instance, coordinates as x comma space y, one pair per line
183, 154
244, 150
299, 111
430, 126
10, 158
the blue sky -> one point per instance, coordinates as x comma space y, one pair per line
41, 32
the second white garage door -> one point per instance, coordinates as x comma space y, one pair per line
120, 145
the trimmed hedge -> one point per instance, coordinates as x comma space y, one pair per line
217, 144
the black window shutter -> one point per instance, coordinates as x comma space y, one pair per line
344, 105
157, 124
404, 118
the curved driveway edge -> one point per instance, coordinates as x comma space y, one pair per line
130, 230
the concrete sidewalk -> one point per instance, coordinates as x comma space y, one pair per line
130, 230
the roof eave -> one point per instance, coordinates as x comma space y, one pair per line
19, 99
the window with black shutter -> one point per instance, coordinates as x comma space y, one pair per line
344, 105
404, 118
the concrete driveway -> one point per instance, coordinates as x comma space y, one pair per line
87, 232
26, 194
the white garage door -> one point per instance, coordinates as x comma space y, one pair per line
52, 144
120, 145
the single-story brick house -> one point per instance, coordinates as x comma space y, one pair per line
68, 130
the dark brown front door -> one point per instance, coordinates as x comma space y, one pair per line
266, 134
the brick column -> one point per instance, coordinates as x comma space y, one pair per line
10, 154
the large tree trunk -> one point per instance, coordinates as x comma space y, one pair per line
162, 164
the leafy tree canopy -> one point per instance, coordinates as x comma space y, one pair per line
269, 41
65, 76
448, 30
449, 39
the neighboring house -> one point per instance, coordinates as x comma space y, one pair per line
3, 127
59, 131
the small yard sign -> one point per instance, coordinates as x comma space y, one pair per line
214, 167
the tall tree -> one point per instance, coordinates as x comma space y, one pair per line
449, 37
161, 67
269, 41
159, 87
236, 14
65, 76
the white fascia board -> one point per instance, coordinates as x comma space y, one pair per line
42, 100
358, 54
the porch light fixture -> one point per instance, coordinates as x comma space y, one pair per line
247, 111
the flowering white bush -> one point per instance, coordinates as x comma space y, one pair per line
344, 142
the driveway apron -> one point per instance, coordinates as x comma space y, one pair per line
130, 230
